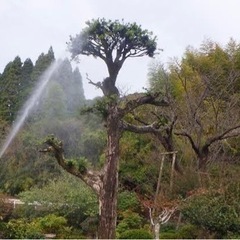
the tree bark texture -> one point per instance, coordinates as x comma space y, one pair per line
108, 192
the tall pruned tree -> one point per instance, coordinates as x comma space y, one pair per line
113, 42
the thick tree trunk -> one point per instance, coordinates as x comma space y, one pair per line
202, 163
203, 156
108, 192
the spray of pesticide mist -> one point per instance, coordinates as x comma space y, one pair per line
28, 106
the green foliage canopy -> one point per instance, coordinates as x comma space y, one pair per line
215, 211
102, 37
66, 196
113, 42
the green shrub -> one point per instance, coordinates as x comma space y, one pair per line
168, 227
70, 233
71, 199
20, 228
213, 212
131, 220
51, 223
231, 235
188, 231
3, 230
136, 234
128, 201
169, 235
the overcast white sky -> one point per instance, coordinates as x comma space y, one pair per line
30, 27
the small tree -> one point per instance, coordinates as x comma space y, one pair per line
113, 42
161, 219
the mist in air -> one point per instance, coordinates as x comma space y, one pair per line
58, 94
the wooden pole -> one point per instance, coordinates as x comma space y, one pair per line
172, 171
159, 179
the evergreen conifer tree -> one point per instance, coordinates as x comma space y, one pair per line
26, 82
42, 63
10, 89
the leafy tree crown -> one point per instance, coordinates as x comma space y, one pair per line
113, 41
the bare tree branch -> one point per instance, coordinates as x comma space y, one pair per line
152, 128
162, 132
223, 135
142, 99
140, 120
98, 84
194, 146
91, 178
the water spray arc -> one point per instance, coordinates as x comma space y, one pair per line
28, 106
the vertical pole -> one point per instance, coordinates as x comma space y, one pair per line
172, 171
179, 220
152, 216
159, 179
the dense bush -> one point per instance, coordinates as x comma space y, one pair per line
21, 228
136, 234
187, 231
3, 230
215, 212
68, 197
37, 228
131, 220
128, 201
51, 223
169, 235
